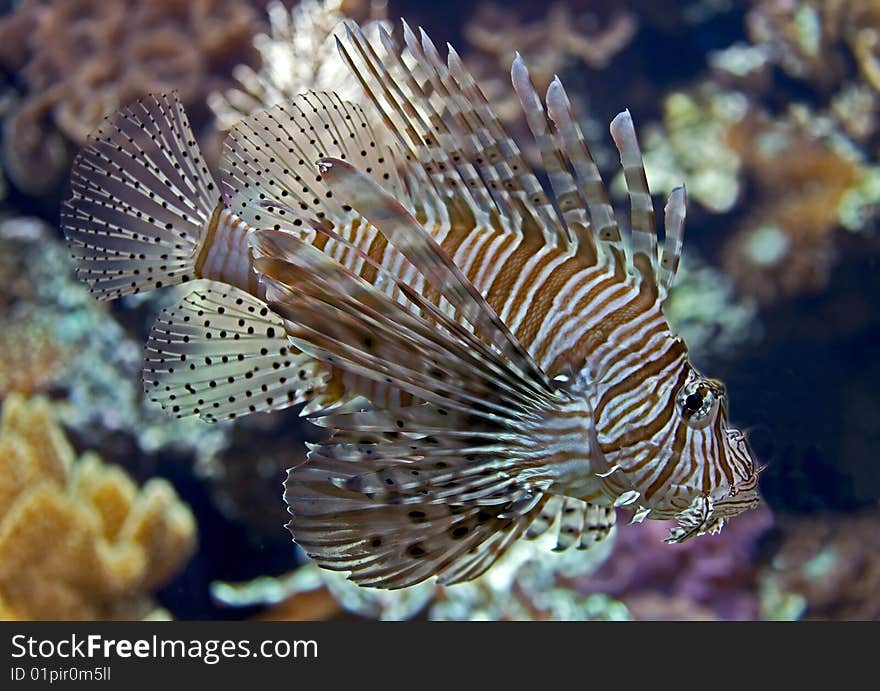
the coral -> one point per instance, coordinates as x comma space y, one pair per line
690, 147
796, 178
560, 42
78, 539
830, 49
549, 44
808, 183
826, 567
713, 576
101, 362
299, 53
529, 582
781, 132
81, 60
32, 360
707, 312
814, 40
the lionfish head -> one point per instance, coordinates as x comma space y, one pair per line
725, 481
680, 458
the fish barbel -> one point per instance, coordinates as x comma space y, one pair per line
490, 357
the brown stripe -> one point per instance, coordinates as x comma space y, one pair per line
376, 252
595, 331
500, 289
681, 435
649, 430
638, 376
457, 234
204, 250
723, 460
542, 300
321, 239
481, 256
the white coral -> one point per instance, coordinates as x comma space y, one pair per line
298, 54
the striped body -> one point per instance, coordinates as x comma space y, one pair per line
571, 314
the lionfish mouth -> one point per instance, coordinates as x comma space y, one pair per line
706, 516
696, 519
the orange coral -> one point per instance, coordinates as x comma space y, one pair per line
785, 246
78, 539
32, 359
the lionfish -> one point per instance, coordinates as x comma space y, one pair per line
491, 362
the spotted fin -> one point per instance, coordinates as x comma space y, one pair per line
393, 545
271, 155
447, 131
221, 353
475, 437
142, 199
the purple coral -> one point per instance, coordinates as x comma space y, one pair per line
715, 574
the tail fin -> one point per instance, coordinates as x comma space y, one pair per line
142, 200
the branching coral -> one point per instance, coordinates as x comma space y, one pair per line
299, 53
558, 42
78, 539
549, 44
826, 567
80, 60
806, 185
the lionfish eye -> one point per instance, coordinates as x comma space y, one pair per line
693, 402
696, 401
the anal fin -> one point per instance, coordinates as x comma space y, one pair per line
577, 522
221, 353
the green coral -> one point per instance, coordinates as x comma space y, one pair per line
706, 311
691, 148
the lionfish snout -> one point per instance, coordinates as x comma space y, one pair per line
708, 513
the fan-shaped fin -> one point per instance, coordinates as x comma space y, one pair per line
221, 353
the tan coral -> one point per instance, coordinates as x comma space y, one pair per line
78, 539
548, 44
81, 60
785, 247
